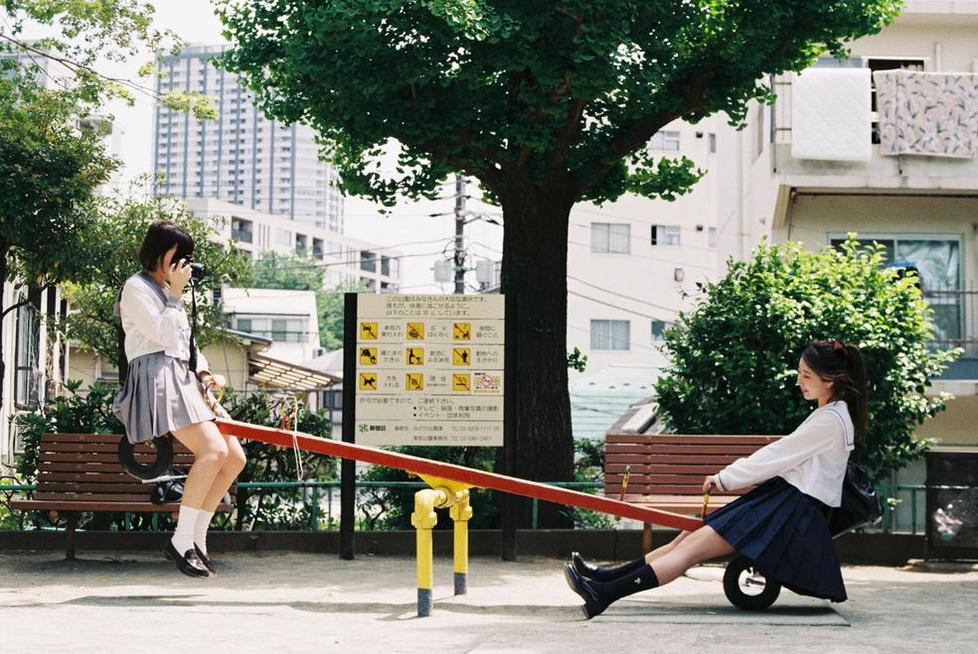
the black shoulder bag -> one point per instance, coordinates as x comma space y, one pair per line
861, 504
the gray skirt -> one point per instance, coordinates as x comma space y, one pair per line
161, 395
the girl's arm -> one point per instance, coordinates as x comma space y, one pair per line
168, 328
812, 437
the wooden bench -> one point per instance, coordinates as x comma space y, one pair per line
81, 472
667, 470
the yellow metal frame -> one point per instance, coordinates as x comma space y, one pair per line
443, 494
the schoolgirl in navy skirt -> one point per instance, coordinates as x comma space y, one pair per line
781, 524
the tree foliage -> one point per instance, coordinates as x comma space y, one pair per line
734, 356
547, 89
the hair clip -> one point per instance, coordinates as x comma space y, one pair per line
838, 347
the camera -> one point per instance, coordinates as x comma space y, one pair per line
197, 271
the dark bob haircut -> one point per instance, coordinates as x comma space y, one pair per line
160, 237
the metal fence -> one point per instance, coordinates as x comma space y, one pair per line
322, 498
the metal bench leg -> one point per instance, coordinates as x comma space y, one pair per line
646, 537
72, 518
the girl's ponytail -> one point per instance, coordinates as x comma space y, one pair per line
856, 392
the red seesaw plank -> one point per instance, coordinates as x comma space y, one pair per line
477, 478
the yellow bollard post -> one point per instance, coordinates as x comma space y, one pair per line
424, 519
461, 513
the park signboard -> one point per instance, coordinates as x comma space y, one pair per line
428, 370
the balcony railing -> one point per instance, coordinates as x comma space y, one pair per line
243, 235
954, 318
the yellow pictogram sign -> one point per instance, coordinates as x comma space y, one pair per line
460, 381
414, 356
368, 331
415, 331
368, 356
462, 331
368, 381
461, 356
414, 381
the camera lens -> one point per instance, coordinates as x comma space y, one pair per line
197, 271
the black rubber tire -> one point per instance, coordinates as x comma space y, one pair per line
735, 592
164, 457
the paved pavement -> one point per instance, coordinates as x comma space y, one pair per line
293, 602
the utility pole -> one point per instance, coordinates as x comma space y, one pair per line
459, 234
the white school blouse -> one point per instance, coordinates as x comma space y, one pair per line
812, 458
152, 326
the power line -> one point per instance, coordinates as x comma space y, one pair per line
630, 342
627, 297
613, 306
657, 260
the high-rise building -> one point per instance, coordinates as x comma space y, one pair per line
241, 157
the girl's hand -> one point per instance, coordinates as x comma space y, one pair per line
213, 381
710, 483
179, 277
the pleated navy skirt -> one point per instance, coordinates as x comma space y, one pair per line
785, 533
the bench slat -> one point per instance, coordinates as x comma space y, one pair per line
119, 476
140, 448
103, 457
132, 507
691, 439
92, 497
658, 448
677, 459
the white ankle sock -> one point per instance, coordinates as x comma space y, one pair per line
183, 537
200, 529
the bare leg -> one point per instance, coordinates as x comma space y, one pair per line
702, 545
233, 465
659, 552
210, 452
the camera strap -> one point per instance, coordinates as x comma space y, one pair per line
192, 364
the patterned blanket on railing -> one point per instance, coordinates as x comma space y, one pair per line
932, 114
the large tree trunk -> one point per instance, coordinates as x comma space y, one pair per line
534, 281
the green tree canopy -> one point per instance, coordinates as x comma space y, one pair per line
734, 357
546, 103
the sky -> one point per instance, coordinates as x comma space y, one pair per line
195, 22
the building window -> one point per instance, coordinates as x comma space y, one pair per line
283, 237
938, 265
659, 328
713, 143
610, 238
712, 237
665, 235
610, 335
665, 141
385, 266
368, 261
28, 349
243, 325
280, 330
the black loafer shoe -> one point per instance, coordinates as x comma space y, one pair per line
593, 603
205, 560
582, 567
188, 563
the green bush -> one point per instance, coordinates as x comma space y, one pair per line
734, 356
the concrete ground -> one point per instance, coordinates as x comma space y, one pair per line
292, 602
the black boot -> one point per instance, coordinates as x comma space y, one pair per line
598, 595
599, 573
